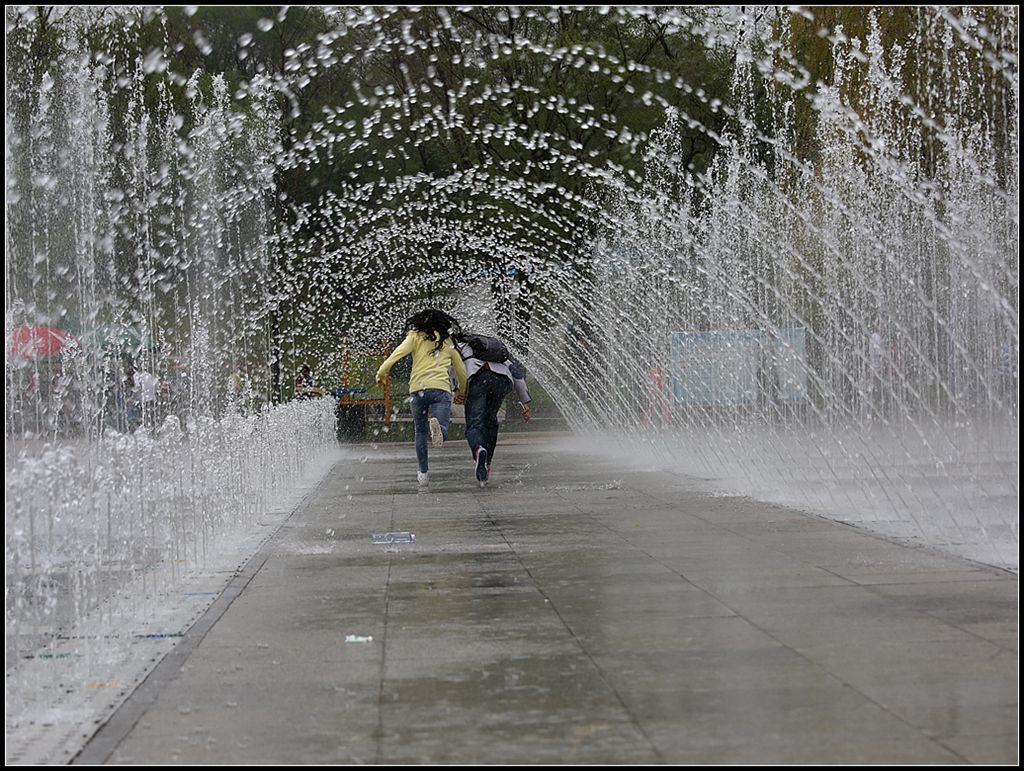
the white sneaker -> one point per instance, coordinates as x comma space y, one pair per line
436, 436
482, 471
423, 477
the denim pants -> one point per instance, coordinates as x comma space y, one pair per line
484, 395
427, 403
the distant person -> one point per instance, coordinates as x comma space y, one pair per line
236, 383
305, 384
115, 411
179, 393
491, 375
429, 341
239, 390
657, 398
141, 388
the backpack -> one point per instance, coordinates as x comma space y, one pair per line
487, 348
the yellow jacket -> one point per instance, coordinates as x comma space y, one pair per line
429, 367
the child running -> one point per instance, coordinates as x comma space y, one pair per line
491, 374
430, 386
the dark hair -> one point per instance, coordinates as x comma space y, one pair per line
436, 325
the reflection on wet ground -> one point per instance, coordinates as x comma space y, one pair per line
556, 617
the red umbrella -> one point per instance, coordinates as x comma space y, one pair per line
37, 342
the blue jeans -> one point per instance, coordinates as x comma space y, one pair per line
429, 402
484, 395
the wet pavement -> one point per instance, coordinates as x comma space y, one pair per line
576, 612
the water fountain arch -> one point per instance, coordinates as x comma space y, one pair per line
791, 267
847, 247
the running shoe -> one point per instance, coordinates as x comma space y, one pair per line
436, 435
481, 466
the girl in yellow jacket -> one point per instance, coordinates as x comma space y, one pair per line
430, 386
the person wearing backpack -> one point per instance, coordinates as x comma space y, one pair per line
491, 374
429, 341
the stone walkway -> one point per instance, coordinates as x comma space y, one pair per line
574, 612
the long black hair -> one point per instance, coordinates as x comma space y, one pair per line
436, 325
